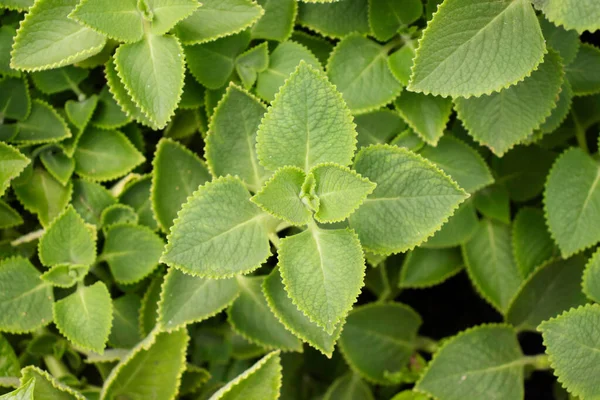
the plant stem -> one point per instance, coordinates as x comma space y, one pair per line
426, 344
539, 361
274, 239
56, 367
580, 134
393, 44
29, 237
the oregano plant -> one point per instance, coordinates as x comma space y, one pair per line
299, 199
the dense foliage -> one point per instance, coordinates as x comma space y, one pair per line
271, 199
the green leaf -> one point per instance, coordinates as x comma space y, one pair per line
325, 18
251, 317
459, 160
401, 62
366, 81
423, 268
231, 139
14, 98
379, 338
25, 300
65, 275
118, 214
193, 93
59, 80
90, 199
591, 278
282, 62
458, 230
295, 320
377, 127
501, 120
386, 17
47, 387
261, 381
68, 240
125, 332
213, 63
132, 252
427, 115
391, 219
493, 202
323, 273
571, 210
561, 111
581, 73
307, 124
580, 15
340, 191
495, 369
137, 195
317, 45
58, 164
7, 35
532, 244
43, 125
103, 155
281, 196
149, 307
551, 289
187, 299
8, 216
41, 194
251, 62
176, 174
216, 19
479, 57
349, 386
152, 70
48, 39
150, 370
9, 363
121, 21
565, 42
218, 232
84, 317
490, 264
108, 114
277, 22
23, 392
12, 163
573, 347
19, 5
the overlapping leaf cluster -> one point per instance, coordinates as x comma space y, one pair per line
228, 199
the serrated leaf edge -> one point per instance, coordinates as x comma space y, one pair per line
431, 282
586, 273
53, 381
57, 115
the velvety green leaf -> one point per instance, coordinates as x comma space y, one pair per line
59, 80
401, 62
186, 299
90, 199
551, 289
19, 5
103, 155
349, 387
149, 307
480, 362
9, 363
218, 18
23, 392
501, 120
295, 320
65, 275
41, 194
118, 214
231, 139
307, 124
325, 18
125, 332
377, 127
581, 73
251, 62
427, 267
573, 347
565, 42
561, 111
340, 191
391, 219
379, 338
108, 114
493, 202
387, 16
47, 38
7, 35
218, 232
193, 93
277, 22
25, 300
591, 278
532, 244
150, 370
122, 21
137, 195
85, 316
571, 210
176, 174
43, 125
458, 230
58, 164
261, 381
282, 197
153, 71
213, 63
580, 15
251, 317
14, 98
317, 45
459, 160
282, 62
427, 115
490, 264
8, 216
48, 387
479, 57
366, 81
12, 163
132, 252
68, 240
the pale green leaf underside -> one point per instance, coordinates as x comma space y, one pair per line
458, 58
